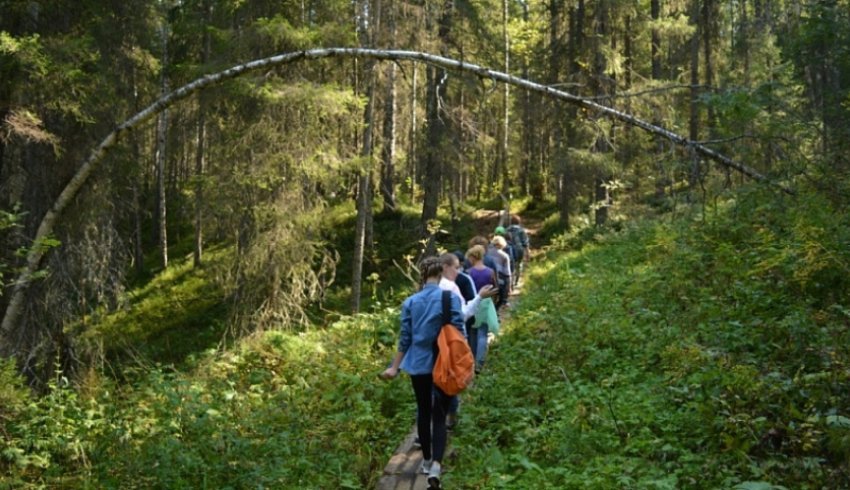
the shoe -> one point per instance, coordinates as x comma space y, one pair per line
451, 421
434, 476
425, 467
416, 443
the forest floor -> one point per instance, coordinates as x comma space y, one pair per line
401, 472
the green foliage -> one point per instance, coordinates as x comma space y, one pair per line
281, 410
708, 352
8, 220
175, 314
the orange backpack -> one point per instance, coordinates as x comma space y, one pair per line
454, 367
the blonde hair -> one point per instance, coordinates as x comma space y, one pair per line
499, 242
475, 253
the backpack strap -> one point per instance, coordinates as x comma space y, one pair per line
446, 300
447, 307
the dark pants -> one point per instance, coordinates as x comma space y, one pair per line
432, 406
472, 339
516, 269
503, 292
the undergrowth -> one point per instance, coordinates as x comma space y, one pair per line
281, 410
707, 352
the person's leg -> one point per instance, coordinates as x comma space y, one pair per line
518, 271
451, 414
422, 386
473, 340
503, 293
438, 422
483, 331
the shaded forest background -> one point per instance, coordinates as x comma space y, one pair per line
288, 198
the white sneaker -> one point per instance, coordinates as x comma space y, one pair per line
434, 476
425, 467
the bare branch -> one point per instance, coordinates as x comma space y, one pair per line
45, 228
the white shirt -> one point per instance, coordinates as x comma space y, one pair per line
469, 309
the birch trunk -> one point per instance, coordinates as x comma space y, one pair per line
161, 139
87, 167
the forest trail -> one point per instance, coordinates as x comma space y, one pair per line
401, 473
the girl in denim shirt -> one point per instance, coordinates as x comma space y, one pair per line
421, 320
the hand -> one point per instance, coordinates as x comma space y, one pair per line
389, 373
488, 291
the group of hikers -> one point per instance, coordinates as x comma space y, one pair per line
480, 280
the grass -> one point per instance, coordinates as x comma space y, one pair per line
665, 356
179, 312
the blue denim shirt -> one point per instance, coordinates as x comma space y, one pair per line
421, 319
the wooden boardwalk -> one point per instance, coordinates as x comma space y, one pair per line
401, 473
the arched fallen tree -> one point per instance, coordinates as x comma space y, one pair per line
45, 228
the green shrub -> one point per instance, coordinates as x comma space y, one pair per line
706, 352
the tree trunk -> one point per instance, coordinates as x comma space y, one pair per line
655, 13
432, 161
693, 120
360, 237
389, 141
200, 154
744, 49
364, 180
161, 140
93, 161
436, 121
600, 89
628, 135
530, 174
707, 37
562, 124
660, 174
412, 157
138, 250
506, 122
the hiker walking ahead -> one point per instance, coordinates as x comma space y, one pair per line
486, 319
518, 240
421, 320
503, 268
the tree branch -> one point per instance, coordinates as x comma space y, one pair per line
45, 229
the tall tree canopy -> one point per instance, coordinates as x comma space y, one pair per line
253, 163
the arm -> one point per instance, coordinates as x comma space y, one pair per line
404, 342
471, 308
526, 245
392, 371
508, 272
458, 318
